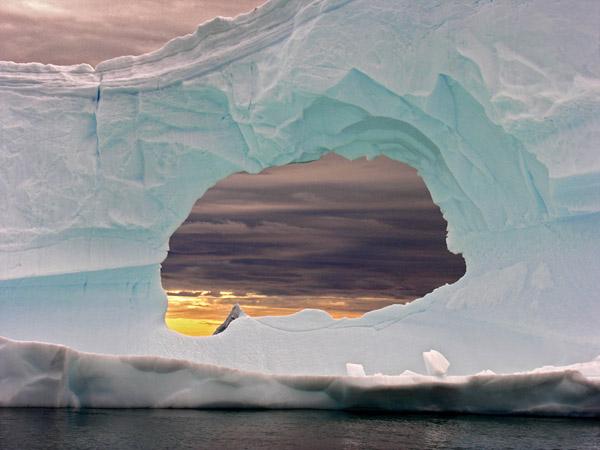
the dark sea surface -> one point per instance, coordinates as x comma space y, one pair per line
35, 428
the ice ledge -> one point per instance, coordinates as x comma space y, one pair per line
44, 375
78, 255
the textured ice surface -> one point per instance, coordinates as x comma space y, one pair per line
39, 374
496, 104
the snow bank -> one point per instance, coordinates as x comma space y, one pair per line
496, 104
36, 374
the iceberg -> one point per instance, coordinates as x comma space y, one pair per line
496, 104
436, 363
355, 370
39, 374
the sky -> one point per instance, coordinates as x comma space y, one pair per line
346, 237
90, 31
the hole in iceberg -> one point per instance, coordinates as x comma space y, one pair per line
346, 237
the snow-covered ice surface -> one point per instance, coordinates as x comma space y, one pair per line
496, 104
38, 374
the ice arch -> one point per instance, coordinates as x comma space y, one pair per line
99, 166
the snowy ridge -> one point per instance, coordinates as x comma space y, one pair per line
55, 376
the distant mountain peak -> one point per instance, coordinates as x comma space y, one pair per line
235, 313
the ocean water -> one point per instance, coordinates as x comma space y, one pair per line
34, 428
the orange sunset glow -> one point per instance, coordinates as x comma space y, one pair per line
199, 313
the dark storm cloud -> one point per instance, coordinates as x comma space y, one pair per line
90, 31
330, 228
